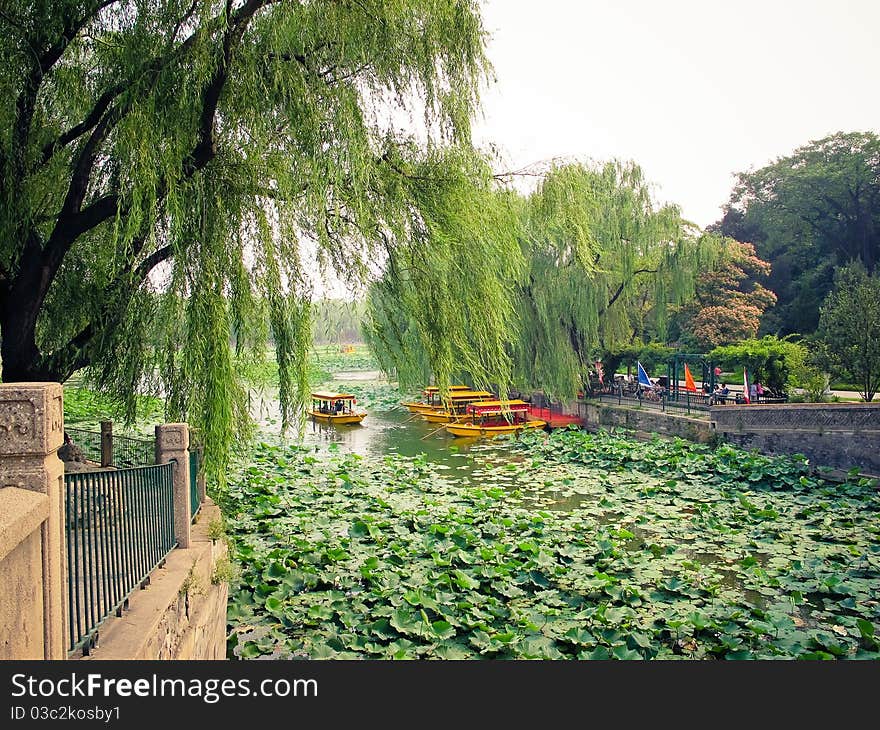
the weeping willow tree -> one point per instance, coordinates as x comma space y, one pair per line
606, 263
597, 265
444, 307
337, 321
163, 162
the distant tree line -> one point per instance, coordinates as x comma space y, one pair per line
808, 214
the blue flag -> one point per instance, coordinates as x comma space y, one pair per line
644, 380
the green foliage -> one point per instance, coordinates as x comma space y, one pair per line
605, 263
192, 585
653, 357
335, 321
850, 327
586, 263
779, 363
216, 529
807, 213
224, 571
815, 384
444, 307
164, 164
87, 408
331, 359
254, 370
612, 548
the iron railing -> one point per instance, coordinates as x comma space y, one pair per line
89, 442
193, 482
687, 404
131, 452
120, 526
128, 451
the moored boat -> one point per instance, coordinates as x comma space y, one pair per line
432, 400
494, 418
335, 408
457, 407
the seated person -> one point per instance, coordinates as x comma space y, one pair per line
720, 394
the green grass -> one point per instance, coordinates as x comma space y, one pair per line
843, 385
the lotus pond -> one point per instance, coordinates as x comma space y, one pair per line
567, 546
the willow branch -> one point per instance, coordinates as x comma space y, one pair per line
623, 284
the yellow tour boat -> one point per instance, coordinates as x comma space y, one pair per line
457, 409
432, 399
335, 408
493, 418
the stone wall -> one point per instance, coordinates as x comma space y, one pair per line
180, 613
33, 573
839, 436
21, 575
646, 422
836, 435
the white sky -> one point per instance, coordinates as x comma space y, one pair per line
692, 90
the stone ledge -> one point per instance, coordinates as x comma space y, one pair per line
830, 431
164, 620
654, 412
21, 513
796, 406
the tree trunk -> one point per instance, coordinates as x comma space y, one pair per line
18, 350
19, 308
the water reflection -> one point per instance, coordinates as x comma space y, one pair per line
392, 431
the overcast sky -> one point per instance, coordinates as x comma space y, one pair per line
692, 90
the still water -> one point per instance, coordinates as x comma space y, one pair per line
393, 430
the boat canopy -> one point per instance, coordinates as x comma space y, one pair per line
323, 395
435, 389
470, 395
496, 407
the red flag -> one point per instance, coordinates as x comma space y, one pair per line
689, 380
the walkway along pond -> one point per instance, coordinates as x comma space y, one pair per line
379, 543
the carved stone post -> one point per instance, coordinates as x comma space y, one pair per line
33, 559
106, 443
172, 444
200, 481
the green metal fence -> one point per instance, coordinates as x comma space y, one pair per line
687, 404
89, 442
120, 526
193, 482
128, 451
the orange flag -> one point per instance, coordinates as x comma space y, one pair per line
689, 380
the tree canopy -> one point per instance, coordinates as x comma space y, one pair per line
849, 327
808, 213
163, 160
777, 363
586, 263
728, 302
